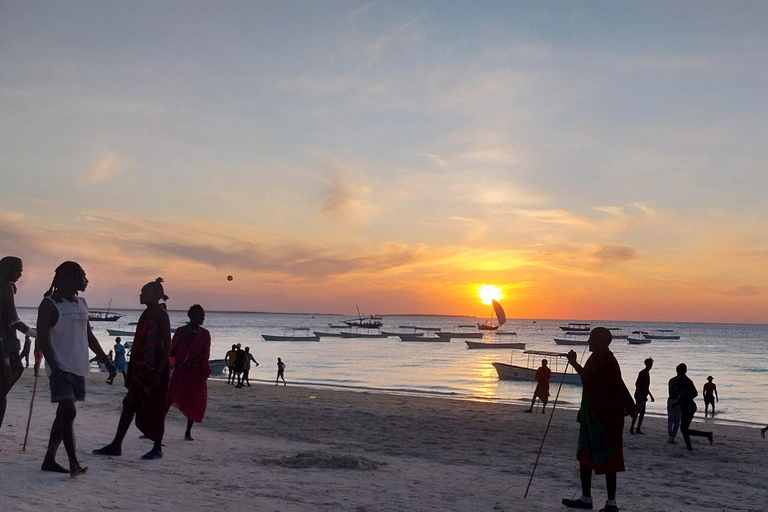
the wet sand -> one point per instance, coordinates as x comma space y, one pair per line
292, 448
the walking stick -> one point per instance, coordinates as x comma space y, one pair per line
551, 414
31, 402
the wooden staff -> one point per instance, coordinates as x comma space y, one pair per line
551, 414
32, 402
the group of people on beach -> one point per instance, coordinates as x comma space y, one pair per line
605, 403
166, 369
239, 366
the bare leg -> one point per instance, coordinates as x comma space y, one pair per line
188, 433
63, 430
3, 405
610, 484
586, 480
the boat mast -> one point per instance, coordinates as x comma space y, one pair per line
108, 306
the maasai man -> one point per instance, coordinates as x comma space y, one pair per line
11, 367
148, 374
64, 337
542, 386
190, 354
604, 401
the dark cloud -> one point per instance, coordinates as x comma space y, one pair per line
614, 253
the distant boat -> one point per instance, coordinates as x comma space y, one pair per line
364, 335
573, 338
217, 366
104, 316
616, 333
393, 334
118, 332
633, 340
488, 325
498, 343
371, 322
576, 327
459, 334
419, 337
417, 328
662, 334
324, 334
528, 372
292, 337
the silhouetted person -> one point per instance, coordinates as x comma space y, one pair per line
64, 337
710, 395
11, 368
120, 361
230, 357
674, 411
25, 351
687, 393
190, 355
240, 360
542, 386
248, 360
280, 371
642, 392
147, 376
604, 400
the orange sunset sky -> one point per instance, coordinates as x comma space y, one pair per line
592, 160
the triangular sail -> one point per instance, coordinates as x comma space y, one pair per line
499, 312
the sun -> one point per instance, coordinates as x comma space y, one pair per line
489, 292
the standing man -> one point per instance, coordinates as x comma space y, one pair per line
230, 357
25, 351
542, 386
147, 376
710, 395
120, 362
280, 371
674, 411
64, 337
240, 361
601, 419
642, 392
248, 359
11, 368
686, 394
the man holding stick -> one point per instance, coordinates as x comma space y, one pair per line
604, 401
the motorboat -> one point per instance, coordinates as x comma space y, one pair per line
638, 338
573, 338
420, 337
293, 336
528, 372
616, 333
662, 334
503, 339
576, 327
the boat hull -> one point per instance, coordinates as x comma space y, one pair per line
271, 337
638, 341
423, 339
514, 372
362, 335
659, 337
481, 344
396, 334
321, 334
470, 335
563, 341
118, 332
217, 366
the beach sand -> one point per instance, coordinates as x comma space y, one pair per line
277, 448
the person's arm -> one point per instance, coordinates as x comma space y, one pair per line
47, 316
651, 395
9, 308
715, 388
573, 359
95, 347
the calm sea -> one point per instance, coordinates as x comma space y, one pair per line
735, 355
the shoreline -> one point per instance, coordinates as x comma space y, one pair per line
300, 449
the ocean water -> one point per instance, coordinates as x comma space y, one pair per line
735, 355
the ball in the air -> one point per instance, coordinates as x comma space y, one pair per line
229, 278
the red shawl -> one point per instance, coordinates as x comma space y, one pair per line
190, 353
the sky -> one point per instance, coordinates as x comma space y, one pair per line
594, 160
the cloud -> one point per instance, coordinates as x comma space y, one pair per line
610, 254
104, 168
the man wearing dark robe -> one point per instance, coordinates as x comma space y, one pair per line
604, 403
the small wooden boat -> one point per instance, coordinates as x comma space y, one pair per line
417, 328
363, 335
371, 322
497, 343
104, 316
119, 332
528, 372
293, 336
396, 334
662, 334
576, 327
323, 334
458, 334
488, 325
573, 338
424, 339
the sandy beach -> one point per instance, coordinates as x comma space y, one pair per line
294, 448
